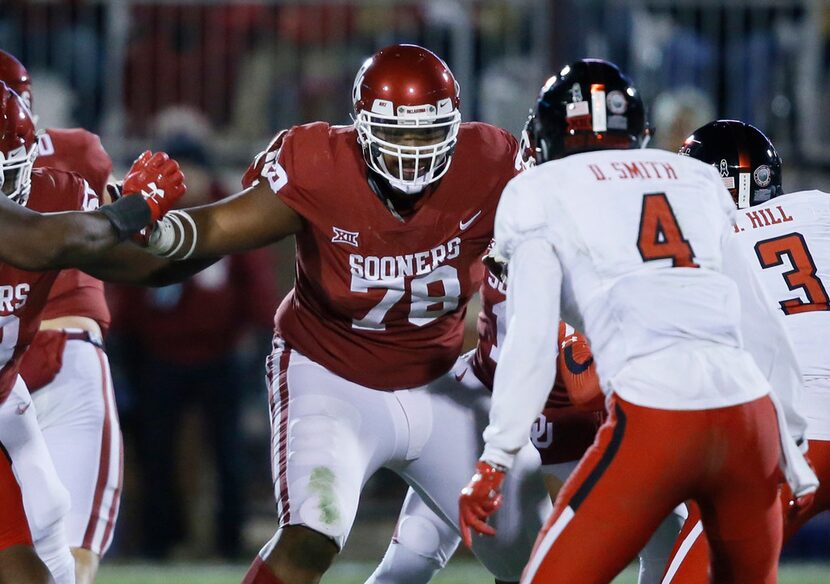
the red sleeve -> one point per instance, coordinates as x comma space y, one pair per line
294, 166
259, 167
578, 370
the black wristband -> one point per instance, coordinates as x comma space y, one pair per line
128, 215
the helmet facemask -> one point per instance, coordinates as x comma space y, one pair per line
16, 173
410, 150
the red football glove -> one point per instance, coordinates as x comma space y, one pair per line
478, 500
159, 179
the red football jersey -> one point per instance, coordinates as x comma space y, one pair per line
23, 294
571, 374
75, 293
378, 300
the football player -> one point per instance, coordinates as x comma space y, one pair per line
562, 433
391, 217
786, 238
637, 245
32, 240
65, 367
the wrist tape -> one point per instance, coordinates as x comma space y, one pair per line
170, 234
128, 215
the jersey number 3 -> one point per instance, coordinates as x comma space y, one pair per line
802, 277
660, 236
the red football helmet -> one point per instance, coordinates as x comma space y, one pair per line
406, 115
18, 146
14, 74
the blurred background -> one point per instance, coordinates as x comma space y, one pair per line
212, 81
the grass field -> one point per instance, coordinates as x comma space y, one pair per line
356, 573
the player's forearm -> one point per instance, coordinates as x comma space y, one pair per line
248, 220
36, 242
527, 365
128, 263
44, 242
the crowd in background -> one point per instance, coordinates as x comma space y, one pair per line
198, 77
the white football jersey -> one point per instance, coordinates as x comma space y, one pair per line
788, 240
638, 246
640, 237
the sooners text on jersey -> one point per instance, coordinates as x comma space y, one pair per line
377, 300
23, 294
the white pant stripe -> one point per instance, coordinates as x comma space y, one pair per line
545, 545
684, 548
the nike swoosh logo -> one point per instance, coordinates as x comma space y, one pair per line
21, 408
460, 376
465, 224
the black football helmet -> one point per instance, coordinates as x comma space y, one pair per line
589, 105
747, 160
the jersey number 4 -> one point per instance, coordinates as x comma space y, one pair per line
660, 236
802, 277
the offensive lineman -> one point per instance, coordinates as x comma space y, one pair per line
65, 367
391, 217
34, 241
786, 237
638, 245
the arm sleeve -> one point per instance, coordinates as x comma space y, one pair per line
526, 367
765, 338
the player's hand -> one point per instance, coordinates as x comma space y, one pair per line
798, 505
480, 499
795, 505
159, 179
576, 365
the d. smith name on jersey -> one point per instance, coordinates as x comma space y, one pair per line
411, 264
